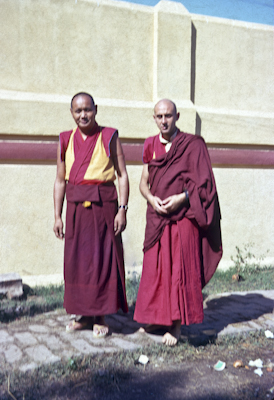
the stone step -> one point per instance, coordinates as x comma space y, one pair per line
11, 285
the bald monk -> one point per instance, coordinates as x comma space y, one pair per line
89, 158
182, 246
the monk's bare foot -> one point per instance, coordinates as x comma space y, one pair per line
82, 323
100, 329
150, 328
171, 338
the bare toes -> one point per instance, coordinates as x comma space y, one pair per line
169, 340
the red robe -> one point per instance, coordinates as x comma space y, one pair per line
93, 259
181, 250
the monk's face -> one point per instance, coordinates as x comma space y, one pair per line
83, 112
165, 116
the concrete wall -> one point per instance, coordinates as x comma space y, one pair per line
219, 72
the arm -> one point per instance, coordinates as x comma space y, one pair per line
155, 201
117, 156
58, 196
164, 207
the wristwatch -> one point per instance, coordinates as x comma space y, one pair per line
125, 207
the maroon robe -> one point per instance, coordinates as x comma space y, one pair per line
93, 260
181, 250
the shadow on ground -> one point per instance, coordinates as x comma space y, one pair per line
193, 381
219, 313
228, 310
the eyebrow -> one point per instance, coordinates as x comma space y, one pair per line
167, 115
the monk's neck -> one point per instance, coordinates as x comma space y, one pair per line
171, 136
86, 133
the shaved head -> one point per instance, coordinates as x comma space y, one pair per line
166, 101
83, 94
165, 116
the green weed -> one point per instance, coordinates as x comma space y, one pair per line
246, 261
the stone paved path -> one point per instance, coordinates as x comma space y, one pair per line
26, 344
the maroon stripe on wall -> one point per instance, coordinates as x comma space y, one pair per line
46, 151
28, 151
242, 157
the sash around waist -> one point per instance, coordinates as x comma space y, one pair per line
92, 193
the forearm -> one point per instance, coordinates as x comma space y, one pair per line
145, 191
58, 196
123, 187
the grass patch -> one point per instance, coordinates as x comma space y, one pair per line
250, 279
37, 300
132, 286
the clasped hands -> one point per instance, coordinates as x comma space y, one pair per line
168, 205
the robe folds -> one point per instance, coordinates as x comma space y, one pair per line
181, 250
93, 259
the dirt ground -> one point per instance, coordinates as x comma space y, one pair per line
164, 377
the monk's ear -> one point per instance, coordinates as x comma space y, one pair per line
178, 116
95, 109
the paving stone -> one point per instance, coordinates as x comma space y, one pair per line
269, 324
25, 338
88, 335
124, 344
41, 354
28, 367
5, 337
67, 336
235, 329
241, 326
38, 328
53, 342
135, 336
155, 338
51, 322
269, 316
254, 325
13, 353
63, 318
84, 347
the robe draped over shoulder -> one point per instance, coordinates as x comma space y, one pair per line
186, 166
182, 249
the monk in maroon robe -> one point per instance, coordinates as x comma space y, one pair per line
89, 158
182, 245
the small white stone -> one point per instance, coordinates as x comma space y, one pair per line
257, 363
143, 359
258, 371
269, 334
